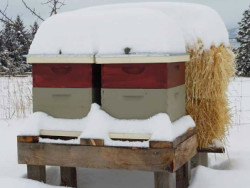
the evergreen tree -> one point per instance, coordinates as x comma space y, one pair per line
7, 48
243, 52
1, 52
1, 41
34, 29
15, 44
22, 41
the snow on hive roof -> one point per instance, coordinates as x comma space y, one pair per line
143, 27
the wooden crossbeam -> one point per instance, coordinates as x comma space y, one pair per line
104, 157
166, 144
27, 139
91, 142
212, 150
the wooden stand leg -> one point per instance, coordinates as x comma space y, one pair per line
35, 172
178, 179
189, 169
165, 180
68, 176
182, 176
201, 158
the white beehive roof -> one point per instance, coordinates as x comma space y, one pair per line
143, 27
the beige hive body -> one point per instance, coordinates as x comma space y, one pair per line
67, 103
144, 103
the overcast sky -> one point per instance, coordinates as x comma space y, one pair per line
230, 10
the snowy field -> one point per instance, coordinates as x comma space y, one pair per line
232, 170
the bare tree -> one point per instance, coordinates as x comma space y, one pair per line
32, 10
55, 5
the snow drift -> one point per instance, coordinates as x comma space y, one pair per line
97, 124
143, 27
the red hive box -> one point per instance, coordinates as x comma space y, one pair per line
62, 75
63, 86
143, 75
140, 86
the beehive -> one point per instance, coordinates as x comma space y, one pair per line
138, 87
62, 85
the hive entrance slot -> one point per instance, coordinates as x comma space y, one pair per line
129, 137
57, 134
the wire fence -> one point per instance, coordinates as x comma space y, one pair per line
16, 98
239, 101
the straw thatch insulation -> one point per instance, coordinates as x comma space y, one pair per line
207, 77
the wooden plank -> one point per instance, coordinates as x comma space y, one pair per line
96, 157
185, 151
140, 59
60, 59
91, 142
68, 176
190, 132
160, 144
166, 144
27, 139
36, 172
212, 150
60, 133
129, 136
182, 176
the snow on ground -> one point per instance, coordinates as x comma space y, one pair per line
222, 172
143, 27
98, 124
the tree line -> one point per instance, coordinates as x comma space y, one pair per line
16, 38
243, 52
14, 45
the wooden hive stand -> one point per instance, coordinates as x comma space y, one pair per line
170, 161
201, 158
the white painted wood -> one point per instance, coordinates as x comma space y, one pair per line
142, 59
60, 133
129, 136
107, 59
60, 59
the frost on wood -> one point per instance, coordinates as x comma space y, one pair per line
143, 27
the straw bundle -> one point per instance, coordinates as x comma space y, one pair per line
207, 77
